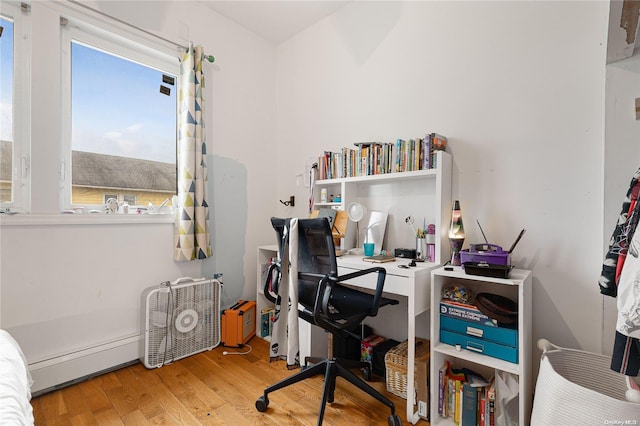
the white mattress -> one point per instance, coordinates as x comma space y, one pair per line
15, 383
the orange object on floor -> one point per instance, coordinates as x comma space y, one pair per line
239, 323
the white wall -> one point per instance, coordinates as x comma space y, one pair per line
68, 286
621, 158
518, 87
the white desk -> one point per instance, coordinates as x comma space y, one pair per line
413, 283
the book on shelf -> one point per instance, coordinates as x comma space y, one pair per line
457, 413
491, 403
266, 321
482, 406
451, 397
443, 389
425, 152
438, 143
372, 158
469, 405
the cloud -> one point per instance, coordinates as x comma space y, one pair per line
115, 135
134, 141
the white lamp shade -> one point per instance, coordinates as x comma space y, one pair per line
355, 212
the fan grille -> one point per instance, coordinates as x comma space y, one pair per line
180, 320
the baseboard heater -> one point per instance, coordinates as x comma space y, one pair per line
66, 369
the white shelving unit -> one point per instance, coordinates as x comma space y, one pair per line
517, 288
265, 254
423, 194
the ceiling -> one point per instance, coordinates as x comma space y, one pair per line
275, 21
278, 20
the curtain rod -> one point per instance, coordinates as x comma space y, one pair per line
209, 58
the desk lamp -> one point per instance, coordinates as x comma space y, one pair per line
355, 212
456, 233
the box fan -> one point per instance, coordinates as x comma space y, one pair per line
179, 319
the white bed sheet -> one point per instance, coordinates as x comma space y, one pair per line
15, 383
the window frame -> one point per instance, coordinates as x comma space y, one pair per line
19, 13
112, 40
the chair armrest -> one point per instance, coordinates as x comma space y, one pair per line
327, 282
377, 296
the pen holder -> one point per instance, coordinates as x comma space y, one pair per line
421, 249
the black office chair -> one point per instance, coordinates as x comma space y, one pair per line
324, 302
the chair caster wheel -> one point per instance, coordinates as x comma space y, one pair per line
394, 420
262, 403
366, 374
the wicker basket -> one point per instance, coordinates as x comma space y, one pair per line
395, 361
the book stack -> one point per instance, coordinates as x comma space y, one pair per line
372, 158
466, 397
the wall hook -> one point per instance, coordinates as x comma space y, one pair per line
291, 202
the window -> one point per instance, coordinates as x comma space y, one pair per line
6, 95
14, 105
122, 122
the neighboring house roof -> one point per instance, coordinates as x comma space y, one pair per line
110, 171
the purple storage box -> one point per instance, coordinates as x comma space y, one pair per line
489, 253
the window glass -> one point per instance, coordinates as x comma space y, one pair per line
6, 109
123, 128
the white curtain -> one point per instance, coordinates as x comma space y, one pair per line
192, 239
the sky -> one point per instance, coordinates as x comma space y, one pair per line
118, 108
117, 105
6, 77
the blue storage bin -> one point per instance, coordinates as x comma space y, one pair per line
502, 335
496, 350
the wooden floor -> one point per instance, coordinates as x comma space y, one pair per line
209, 389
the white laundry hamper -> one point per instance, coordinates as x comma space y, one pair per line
579, 388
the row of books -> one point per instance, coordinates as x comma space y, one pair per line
267, 317
466, 397
372, 158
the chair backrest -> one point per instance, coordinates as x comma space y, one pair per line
322, 299
316, 258
316, 254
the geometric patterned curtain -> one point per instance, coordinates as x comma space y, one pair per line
192, 240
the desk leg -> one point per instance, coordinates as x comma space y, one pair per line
412, 417
304, 333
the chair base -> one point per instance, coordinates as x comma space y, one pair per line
331, 369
